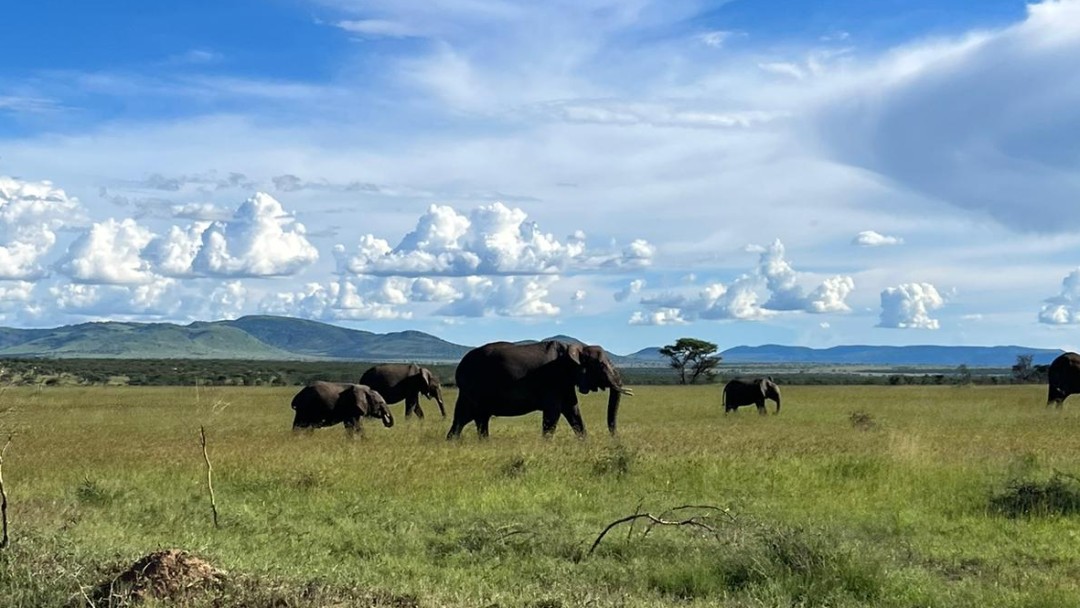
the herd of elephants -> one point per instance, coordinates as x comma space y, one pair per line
507, 379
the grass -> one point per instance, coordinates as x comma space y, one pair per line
906, 511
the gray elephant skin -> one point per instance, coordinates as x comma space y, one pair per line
398, 382
505, 379
741, 392
323, 404
1064, 376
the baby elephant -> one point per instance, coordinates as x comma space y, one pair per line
327, 403
744, 392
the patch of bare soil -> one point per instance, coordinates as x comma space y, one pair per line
166, 575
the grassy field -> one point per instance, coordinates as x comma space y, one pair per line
909, 507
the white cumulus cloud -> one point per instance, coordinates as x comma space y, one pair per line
908, 306
30, 214
1064, 308
491, 240
633, 287
517, 296
110, 253
260, 240
871, 238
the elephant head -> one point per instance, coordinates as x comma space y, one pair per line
771, 391
431, 389
369, 403
595, 372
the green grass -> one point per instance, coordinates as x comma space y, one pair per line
901, 512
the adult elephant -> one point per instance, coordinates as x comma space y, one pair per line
401, 381
505, 379
741, 392
328, 403
1064, 378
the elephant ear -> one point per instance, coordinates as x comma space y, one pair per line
359, 399
429, 379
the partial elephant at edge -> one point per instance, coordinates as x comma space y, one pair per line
1064, 378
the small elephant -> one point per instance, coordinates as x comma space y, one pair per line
740, 392
328, 403
400, 381
1064, 376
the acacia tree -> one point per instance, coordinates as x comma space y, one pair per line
692, 358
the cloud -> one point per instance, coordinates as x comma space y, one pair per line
504, 296
492, 240
870, 238
158, 300
633, 287
260, 240
337, 301
660, 316
110, 253
908, 306
378, 28
228, 300
781, 280
715, 38
1064, 308
30, 215
910, 119
741, 299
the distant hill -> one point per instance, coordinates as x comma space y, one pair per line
974, 356
285, 338
254, 337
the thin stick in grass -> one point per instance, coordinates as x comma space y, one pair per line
209, 475
3, 496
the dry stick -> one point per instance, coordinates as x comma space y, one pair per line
3, 496
209, 475
656, 521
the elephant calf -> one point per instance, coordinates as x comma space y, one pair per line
328, 403
741, 392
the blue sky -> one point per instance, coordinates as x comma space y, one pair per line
626, 171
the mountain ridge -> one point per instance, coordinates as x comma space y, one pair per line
282, 338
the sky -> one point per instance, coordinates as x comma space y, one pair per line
627, 172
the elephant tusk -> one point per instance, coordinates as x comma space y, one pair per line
629, 392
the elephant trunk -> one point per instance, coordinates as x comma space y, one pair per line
777, 403
614, 398
438, 400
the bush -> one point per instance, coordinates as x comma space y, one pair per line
1058, 495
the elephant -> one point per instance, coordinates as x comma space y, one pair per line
1064, 378
505, 379
327, 403
398, 381
744, 392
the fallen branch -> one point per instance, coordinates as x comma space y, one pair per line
693, 522
3, 496
209, 475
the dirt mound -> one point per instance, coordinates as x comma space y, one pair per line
171, 574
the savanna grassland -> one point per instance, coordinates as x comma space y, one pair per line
927, 496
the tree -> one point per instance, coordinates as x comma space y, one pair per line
1023, 370
692, 359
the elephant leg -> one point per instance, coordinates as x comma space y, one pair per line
353, 428
463, 409
572, 413
551, 420
412, 404
761, 408
482, 426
